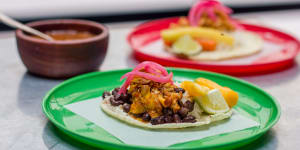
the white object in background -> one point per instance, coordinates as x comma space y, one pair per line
56, 8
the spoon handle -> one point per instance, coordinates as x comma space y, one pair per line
15, 24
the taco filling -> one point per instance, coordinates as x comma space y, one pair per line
149, 98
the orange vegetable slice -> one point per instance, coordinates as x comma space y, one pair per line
208, 45
194, 89
229, 95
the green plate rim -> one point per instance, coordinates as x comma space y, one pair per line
124, 145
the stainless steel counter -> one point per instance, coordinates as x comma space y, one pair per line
23, 125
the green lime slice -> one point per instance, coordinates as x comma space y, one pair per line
186, 45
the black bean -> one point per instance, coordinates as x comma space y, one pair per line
167, 112
189, 118
176, 118
117, 89
146, 117
168, 119
180, 103
122, 97
125, 98
183, 111
114, 93
114, 102
128, 97
105, 94
154, 121
161, 120
126, 107
189, 105
138, 115
177, 90
157, 120
117, 97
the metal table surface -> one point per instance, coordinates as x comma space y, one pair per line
23, 125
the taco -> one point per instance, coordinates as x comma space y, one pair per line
150, 99
208, 33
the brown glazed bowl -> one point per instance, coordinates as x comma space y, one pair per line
62, 59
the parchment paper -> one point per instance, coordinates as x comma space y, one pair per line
90, 109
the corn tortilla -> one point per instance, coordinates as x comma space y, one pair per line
246, 44
118, 113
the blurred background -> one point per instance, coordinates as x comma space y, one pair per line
22, 123
122, 10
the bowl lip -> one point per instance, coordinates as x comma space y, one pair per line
20, 34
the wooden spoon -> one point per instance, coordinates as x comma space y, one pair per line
15, 24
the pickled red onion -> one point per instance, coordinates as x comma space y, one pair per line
192, 13
125, 85
152, 71
131, 75
199, 14
208, 6
151, 77
211, 13
226, 10
152, 65
197, 10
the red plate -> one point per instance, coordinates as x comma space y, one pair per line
279, 50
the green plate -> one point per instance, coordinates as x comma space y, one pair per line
253, 103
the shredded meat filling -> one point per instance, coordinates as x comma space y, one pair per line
222, 22
151, 97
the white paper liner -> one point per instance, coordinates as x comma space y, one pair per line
90, 110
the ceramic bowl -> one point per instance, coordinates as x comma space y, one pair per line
62, 59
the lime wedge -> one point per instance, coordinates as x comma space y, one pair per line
213, 102
186, 45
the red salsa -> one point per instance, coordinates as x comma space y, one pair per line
64, 35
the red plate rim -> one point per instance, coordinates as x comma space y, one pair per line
244, 69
